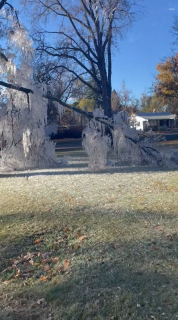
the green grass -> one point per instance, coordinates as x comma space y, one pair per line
95, 246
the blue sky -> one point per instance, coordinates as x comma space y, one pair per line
145, 45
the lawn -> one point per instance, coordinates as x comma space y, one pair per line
81, 245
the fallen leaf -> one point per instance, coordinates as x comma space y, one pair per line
17, 261
66, 264
55, 260
81, 238
159, 228
6, 282
75, 247
40, 301
17, 274
43, 261
43, 278
36, 264
29, 255
46, 268
37, 241
59, 241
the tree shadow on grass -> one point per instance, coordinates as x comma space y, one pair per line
115, 290
120, 280
52, 223
106, 282
81, 171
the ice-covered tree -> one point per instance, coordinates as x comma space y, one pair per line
23, 116
116, 136
23, 143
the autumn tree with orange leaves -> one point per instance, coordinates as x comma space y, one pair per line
166, 86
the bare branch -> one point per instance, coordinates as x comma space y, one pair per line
2, 55
2, 3
69, 56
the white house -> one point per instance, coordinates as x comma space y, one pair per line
153, 120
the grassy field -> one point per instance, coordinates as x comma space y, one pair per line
76, 245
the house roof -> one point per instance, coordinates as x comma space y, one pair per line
156, 115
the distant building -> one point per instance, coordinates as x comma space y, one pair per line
153, 120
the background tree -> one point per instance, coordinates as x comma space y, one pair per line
115, 101
145, 103
91, 95
85, 32
127, 101
86, 98
166, 85
151, 103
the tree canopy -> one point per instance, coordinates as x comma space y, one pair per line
82, 39
166, 85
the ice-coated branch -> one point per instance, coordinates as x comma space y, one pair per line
52, 98
15, 87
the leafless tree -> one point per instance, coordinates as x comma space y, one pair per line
123, 100
81, 38
115, 101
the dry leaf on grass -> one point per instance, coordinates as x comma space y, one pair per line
37, 241
18, 274
66, 264
43, 261
6, 282
42, 278
75, 247
159, 228
55, 260
46, 268
81, 238
40, 301
60, 241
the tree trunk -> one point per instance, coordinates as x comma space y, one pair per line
106, 86
106, 97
